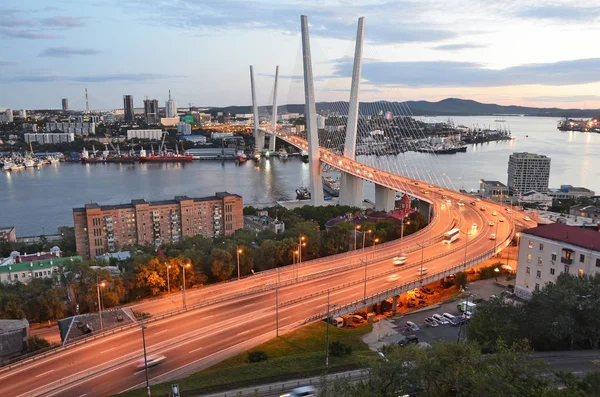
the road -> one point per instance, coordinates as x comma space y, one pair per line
201, 337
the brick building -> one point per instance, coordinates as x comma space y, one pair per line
102, 229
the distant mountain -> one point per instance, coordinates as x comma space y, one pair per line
445, 107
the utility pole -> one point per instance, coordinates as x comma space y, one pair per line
329, 306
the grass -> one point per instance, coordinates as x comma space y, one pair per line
295, 355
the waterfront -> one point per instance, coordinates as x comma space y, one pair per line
40, 200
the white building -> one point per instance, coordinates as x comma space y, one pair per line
169, 121
145, 134
568, 192
321, 122
184, 128
548, 250
220, 135
535, 197
528, 171
170, 107
23, 113
50, 137
9, 116
75, 128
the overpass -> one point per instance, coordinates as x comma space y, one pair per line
224, 319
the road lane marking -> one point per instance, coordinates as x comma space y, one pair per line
139, 372
245, 332
107, 350
285, 318
160, 332
195, 350
44, 373
250, 304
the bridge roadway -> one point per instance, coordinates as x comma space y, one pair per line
201, 337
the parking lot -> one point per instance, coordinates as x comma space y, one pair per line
390, 331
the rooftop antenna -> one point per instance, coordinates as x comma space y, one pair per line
87, 104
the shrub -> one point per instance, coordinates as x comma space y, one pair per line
35, 343
339, 349
257, 356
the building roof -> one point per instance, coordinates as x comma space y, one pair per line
493, 183
37, 265
177, 199
584, 238
13, 325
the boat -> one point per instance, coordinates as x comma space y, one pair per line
256, 157
28, 163
304, 155
242, 157
121, 158
283, 154
164, 156
267, 154
302, 193
331, 186
12, 166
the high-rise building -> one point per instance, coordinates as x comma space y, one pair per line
22, 114
321, 122
102, 229
151, 111
9, 116
128, 107
170, 107
65, 104
527, 172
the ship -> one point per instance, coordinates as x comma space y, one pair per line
121, 158
283, 154
256, 157
86, 158
267, 154
302, 193
164, 156
304, 155
331, 186
242, 157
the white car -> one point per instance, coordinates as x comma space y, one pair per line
527, 218
399, 260
477, 199
412, 326
152, 361
305, 391
491, 223
482, 208
474, 227
440, 319
501, 220
494, 213
493, 236
461, 204
449, 317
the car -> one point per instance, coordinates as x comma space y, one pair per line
477, 199
426, 191
452, 319
399, 260
408, 339
440, 190
448, 201
500, 219
473, 203
440, 319
474, 227
508, 210
493, 236
482, 208
431, 322
151, 360
461, 204
527, 218
418, 295
422, 271
305, 391
491, 223
412, 326
494, 213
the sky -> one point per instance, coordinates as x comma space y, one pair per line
512, 52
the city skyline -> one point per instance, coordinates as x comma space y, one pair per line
523, 53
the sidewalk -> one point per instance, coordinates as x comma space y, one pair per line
282, 388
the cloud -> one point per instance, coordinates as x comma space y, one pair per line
456, 47
4, 62
100, 78
25, 34
574, 98
560, 12
62, 21
461, 74
334, 20
65, 52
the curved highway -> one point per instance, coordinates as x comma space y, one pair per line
245, 316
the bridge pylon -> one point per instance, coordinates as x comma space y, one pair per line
259, 136
315, 183
273, 137
351, 187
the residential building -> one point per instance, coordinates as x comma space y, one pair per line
493, 190
321, 122
8, 234
535, 197
528, 171
588, 211
170, 107
26, 271
263, 222
568, 192
81, 128
13, 337
220, 135
102, 229
50, 137
151, 111
65, 105
145, 134
22, 114
549, 250
9, 116
184, 128
128, 110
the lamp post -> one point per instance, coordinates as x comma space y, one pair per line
297, 252
238, 252
301, 244
365, 288
356, 227
329, 306
145, 360
421, 271
466, 244
168, 279
183, 286
98, 285
276, 288
402, 232
375, 241
496, 237
365, 236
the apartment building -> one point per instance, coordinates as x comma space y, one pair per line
527, 172
102, 229
549, 250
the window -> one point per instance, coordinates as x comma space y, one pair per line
554, 258
529, 257
530, 244
527, 271
541, 247
597, 262
566, 269
538, 274
537, 287
539, 260
581, 258
552, 271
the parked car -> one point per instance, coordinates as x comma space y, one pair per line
431, 322
408, 339
412, 326
450, 318
151, 360
440, 319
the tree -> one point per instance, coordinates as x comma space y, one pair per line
148, 277
221, 266
495, 321
461, 279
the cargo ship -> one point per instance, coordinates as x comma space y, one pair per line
87, 158
331, 186
164, 155
121, 158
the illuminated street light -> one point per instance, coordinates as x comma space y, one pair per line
183, 286
375, 241
364, 236
168, 280
98, 285
238, 252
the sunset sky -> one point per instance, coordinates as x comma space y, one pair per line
531, 53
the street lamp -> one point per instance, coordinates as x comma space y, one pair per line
297, 252
357, 227
238, 252
183, 287
364, 236
365, 288
329, 306
496, 237
98, 285
466, 244
168, 279
375, 241
402, 232
301, 244
276, 288
145, 360
421, 271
